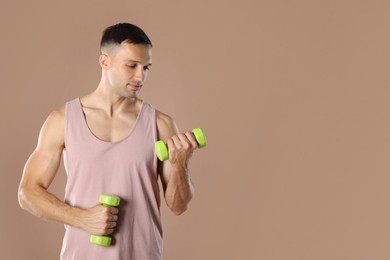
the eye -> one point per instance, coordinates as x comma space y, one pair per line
132, 66
146, 68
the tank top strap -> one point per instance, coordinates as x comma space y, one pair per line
73, 120
147, 121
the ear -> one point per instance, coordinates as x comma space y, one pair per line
104, 61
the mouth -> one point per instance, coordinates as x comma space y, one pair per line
135, 87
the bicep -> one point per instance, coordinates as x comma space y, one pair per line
40, 169
42, 165
166, 129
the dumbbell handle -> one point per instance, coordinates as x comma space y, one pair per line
108, 201
161, 148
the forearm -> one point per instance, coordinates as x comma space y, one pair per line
179, 191
41, 203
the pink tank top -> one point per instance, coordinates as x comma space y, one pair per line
126, 168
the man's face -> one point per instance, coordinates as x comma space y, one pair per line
128, 68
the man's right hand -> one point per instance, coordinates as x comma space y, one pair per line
100, 220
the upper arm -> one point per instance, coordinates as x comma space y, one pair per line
166, 128
42, 165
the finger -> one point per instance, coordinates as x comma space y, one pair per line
185, 142
170, 143
108, 231
114, 218
176, 141
111, 225
191, 138
111, 218
114, 210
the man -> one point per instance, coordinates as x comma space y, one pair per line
107, 138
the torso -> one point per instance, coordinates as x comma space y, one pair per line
127, 168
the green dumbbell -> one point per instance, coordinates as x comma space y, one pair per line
161, 148
108, 201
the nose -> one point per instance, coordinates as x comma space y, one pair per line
140, 74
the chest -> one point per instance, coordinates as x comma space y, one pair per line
109, 129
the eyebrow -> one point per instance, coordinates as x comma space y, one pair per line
136, 61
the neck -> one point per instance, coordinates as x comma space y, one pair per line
111, 102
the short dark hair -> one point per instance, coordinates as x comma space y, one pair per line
120, 32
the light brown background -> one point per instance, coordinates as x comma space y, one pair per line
293, 96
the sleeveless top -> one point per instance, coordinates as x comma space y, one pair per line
126, 168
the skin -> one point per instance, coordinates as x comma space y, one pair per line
110, 111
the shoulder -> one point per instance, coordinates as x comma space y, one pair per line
163, 119
166, 126
52, 130
57, 116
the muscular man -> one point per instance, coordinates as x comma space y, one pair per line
107, 138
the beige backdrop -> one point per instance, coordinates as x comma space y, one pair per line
293, 96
